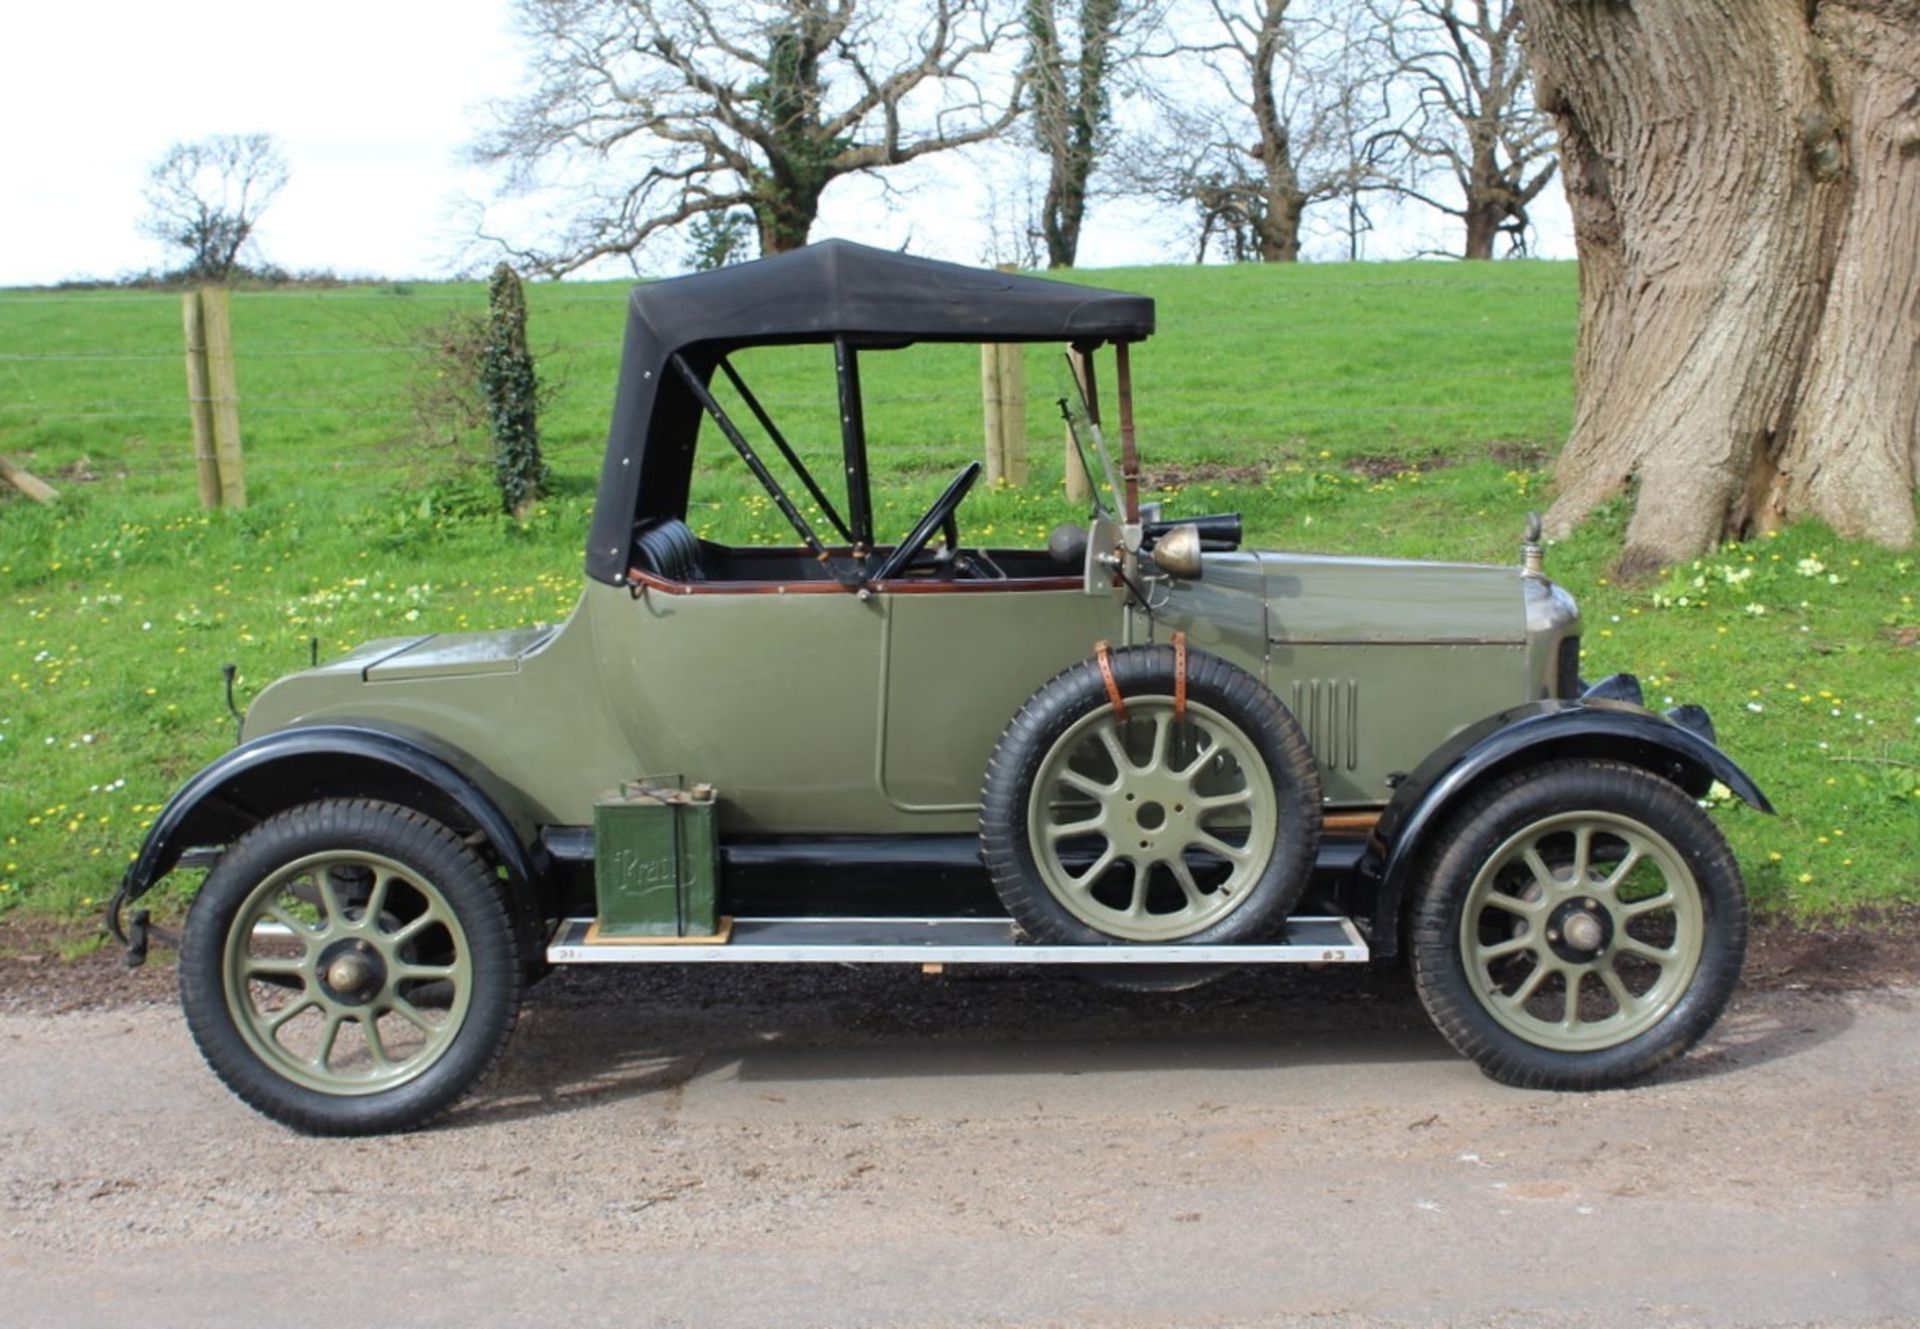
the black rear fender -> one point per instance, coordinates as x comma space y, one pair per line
1542, 731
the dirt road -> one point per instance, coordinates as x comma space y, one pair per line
877, 1148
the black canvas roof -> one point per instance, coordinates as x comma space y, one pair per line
826, 290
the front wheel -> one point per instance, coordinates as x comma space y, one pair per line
1582, 924
350, 968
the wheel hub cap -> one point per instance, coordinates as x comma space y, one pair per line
1584, 931
351, 972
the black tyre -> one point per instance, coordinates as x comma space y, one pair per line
1194, 822
1579, 925
350, 968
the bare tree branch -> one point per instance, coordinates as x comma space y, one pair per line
1296, 118
1472, 119
1072, 80
206, 197
706, 106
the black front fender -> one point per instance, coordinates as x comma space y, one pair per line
293, 766
1527, 735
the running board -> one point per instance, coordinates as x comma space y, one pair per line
1322, 940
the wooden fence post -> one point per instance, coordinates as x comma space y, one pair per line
214, 306
200, 399
992, 409
26, 481
1079, 487
1013, 412
1003, 396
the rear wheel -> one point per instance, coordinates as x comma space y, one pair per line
1582, 925
350, 968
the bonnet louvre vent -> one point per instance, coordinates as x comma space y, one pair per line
1329, 710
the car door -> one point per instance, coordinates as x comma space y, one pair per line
766, 692
959, 660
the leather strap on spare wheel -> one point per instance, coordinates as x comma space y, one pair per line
1104, 656
1179, 677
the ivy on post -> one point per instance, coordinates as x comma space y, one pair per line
512, 390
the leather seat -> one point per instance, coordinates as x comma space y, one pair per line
667, 547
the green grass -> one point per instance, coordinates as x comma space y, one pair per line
1386, 409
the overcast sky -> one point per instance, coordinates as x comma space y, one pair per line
373, 102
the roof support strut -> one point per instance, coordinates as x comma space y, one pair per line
698, 388
1129, 449
780, 441
853, 444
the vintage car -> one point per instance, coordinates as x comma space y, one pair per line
1139, 748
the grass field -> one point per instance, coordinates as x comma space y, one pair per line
1405, 409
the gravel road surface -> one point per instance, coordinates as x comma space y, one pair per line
876, 1148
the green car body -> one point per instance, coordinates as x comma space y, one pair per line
1410, 739
1381, 661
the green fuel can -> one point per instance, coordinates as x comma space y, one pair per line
656, 864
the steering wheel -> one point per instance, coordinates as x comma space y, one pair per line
938, 517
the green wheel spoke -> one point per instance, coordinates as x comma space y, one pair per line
261, 966
1188, 886
1065, 830
1194, 769
1142, 874
1634, 946
1239, 798
370, 1030
1622, 998
414, 928
1108, 857
330, 901
1574, 979
1512, 947
1213, 844
1538, 866
1162, 734
425, 973
1512, 905
1652, 904
275, 1021
1530, 985
1582, 855
407, 1011
272, 909
1110, 739
1611, 885
323, 1054
1088, 785
377, 898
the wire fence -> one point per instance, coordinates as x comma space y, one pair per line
331, 389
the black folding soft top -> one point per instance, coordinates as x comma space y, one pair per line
816, 294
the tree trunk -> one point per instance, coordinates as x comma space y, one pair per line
1279, 226
1852, 454
1069, 112
785, 217
1745, 184
1486, 205
1062, 213
1483, 228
